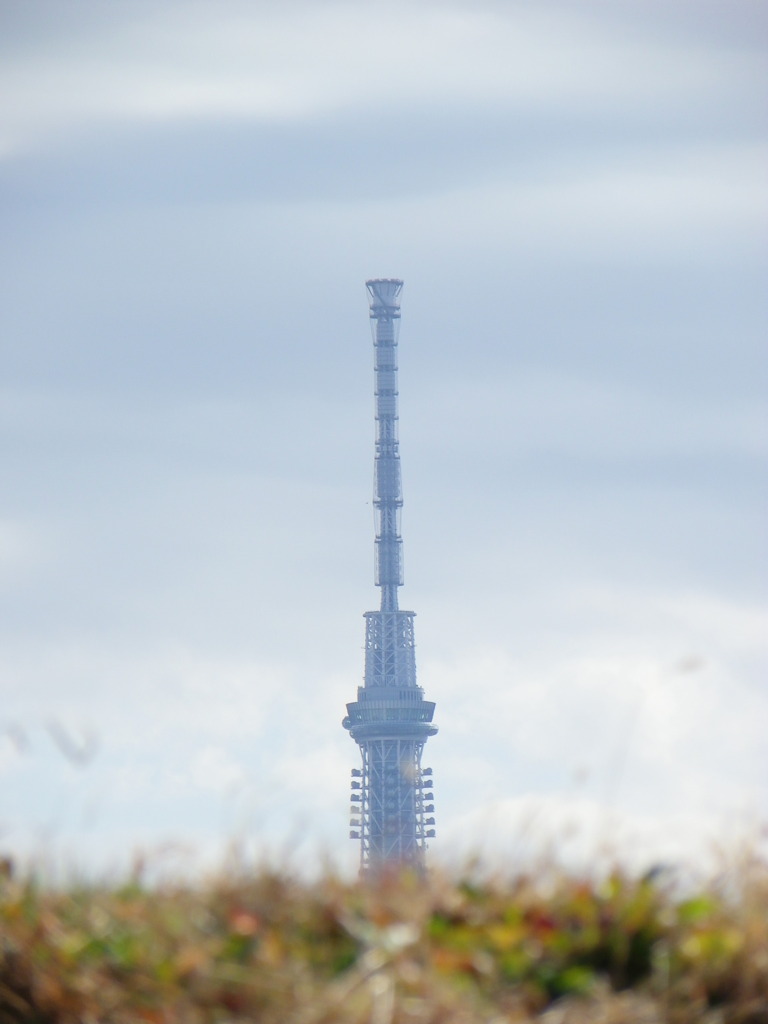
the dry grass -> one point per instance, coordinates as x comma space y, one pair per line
262, 946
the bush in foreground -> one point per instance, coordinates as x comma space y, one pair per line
266, 947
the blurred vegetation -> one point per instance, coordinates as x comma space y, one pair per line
264, 946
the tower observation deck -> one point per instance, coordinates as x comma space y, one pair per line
390, 721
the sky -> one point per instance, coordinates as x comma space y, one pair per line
193, 195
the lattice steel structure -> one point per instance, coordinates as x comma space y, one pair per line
390, 720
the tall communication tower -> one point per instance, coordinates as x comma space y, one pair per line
390, 720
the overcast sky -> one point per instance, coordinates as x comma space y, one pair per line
193, 195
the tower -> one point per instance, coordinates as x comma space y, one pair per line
390, 720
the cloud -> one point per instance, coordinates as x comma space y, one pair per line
13, 742
21, 547
533, 412
533, 832
251, 63
216, 770
613, 703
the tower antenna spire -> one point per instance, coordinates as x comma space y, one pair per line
390, 721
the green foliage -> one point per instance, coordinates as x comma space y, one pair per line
265, 947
